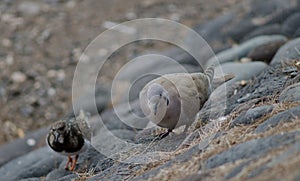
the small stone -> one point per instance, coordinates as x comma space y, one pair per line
51, 91
51, 73
9, 59
18, 77
29, 8
26, 110
6, 42
131, 16
245, 60
31, 142
70, 4
61, 75
243, 83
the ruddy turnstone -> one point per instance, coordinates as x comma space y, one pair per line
70, 137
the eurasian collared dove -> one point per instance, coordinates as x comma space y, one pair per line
173, 100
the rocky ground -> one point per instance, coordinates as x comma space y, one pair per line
250, 131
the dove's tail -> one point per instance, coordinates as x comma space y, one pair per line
220, 80
210, 71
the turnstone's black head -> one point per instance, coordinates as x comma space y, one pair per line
65, 137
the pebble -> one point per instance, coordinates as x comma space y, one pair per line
51, 91
31, 142
18, 77
29, 8
9, 59
26, 110
251, 149
6, 42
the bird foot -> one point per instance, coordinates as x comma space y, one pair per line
72, 162
163, 135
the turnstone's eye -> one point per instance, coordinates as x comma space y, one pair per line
61, 128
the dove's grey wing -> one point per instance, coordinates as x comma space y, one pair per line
188, 86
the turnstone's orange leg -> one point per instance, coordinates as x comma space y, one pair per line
70, 160
74, 163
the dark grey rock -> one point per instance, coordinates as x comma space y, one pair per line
57, 174
211, 29
265, 52
153, 64
240, 29
291, 24
243, 49
242, 71
251, 149
285, 116
289, 51
31, 179
272, 29
292, 151
20, 147
290, 94
297, 33
216, 104
124, 116
280, 16
102, 99
252, 115
269, 82
213, 33
183, 157
35, 164
68, 177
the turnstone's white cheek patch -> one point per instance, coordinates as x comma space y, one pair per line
51, 138
61, 139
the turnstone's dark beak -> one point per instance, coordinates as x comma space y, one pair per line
56, 136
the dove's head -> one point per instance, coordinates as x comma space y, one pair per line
157, 98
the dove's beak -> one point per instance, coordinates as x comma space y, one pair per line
155, 109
